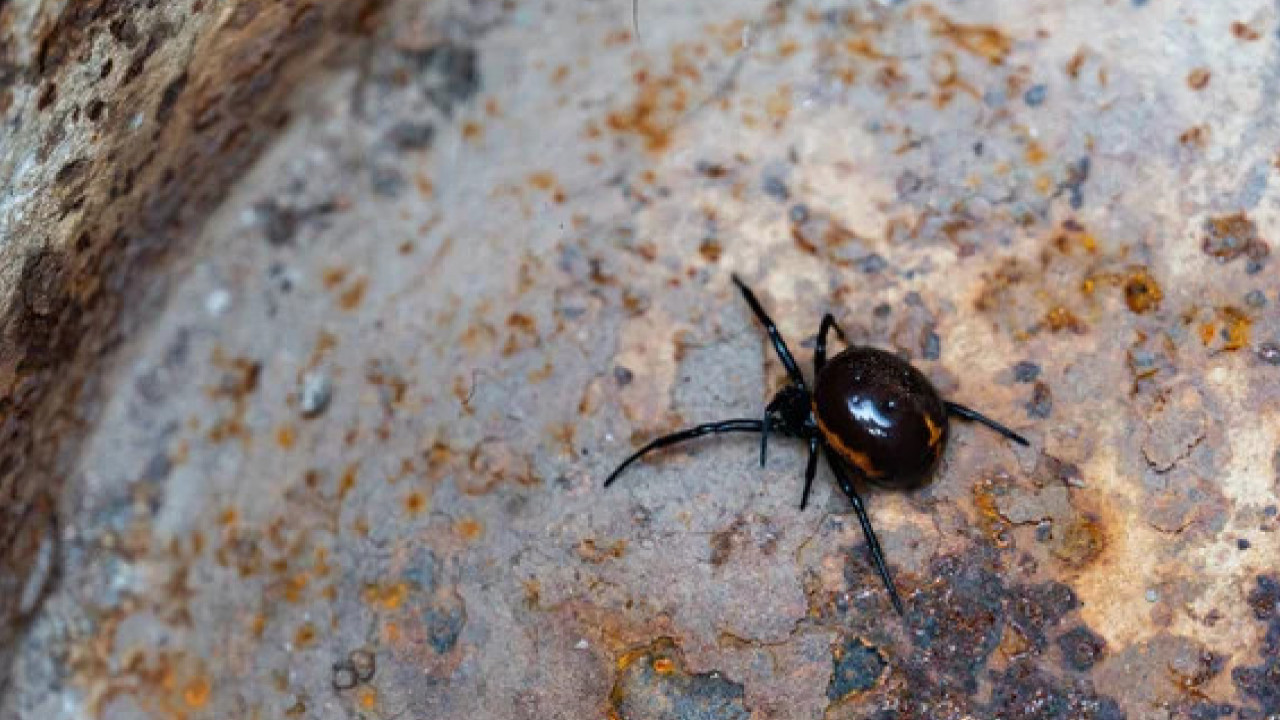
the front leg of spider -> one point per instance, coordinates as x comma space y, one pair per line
779, 344
716, 428
810, 470
820, 350
787, 413
873, 545
819, 359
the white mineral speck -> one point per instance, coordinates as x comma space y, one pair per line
317, 389
218, 302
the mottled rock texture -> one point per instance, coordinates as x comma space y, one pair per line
122, 120
345, 460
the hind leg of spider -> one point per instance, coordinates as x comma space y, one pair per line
965, 413
820, 350
779, 344
724, 426
809, 471
839, 469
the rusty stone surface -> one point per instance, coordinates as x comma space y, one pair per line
351, 466
123, 121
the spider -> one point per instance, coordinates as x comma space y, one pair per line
871, 413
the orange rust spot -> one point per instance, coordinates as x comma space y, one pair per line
657, 108
532, 593
1075, 63
990, 520
257, 625
1035, 153
524, 334
660, 650
1083, 541
227, 516
360, 526
617, 37
593, 553
1198, 78
333, 277
522, 322
368, 697
982, 40
1141, 292
778, 104
285, 436
305, 636
347, 482
1230, 236
197, 692
1237, 328
471, 131
1244, 32
415, 503
1060, 318
325, 343
295, 586
1013, 643
563, 433
391, 632
389, 597
469, 529
664, 666
540, 374
710, 250
351, 298
542, 180
1196, 136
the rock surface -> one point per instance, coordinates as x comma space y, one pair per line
123, 121
349, 462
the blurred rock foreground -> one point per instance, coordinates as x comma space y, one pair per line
322, 323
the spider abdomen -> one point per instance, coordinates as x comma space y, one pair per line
881, 415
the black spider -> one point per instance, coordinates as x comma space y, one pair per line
871, 412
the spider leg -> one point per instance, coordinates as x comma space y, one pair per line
767, 425
809, 471
779, 345
724, 426
764, 436
965, 413
873, 546
820, 351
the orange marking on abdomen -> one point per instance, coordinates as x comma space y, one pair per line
935, 430
861, 460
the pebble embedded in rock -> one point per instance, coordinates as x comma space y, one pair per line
317, 391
